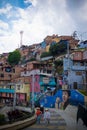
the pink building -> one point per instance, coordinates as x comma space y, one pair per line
36, 84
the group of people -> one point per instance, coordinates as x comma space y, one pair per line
43, 114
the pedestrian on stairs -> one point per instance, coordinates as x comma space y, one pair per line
38, 114
47, 116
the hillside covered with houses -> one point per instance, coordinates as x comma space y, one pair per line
38, 69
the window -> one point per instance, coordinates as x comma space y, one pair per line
49, 71
78, 73
8, 69
36, 79
2, 75
7, 94
10, 75
13, 70
25, 72
75, 63
18, 87
0, 94
8, 87
82, 64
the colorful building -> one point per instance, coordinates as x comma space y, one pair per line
75, 70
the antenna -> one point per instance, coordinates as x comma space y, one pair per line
21, 36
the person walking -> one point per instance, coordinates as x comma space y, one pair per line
38, 114
42, 110
47, 116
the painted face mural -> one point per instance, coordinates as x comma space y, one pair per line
65, 98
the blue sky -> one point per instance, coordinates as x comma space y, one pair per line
39, 18
17, 3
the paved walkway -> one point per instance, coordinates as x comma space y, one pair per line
69, 115
56, 123
61, 120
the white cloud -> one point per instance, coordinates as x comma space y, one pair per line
5, 9
3, 25
43, 18
83, 14
8, 43
34, 2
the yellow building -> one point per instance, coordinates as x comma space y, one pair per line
47, 48
56, 39
23, 92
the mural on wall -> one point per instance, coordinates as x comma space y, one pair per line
46, 82
62, 104
36, 89
36, 84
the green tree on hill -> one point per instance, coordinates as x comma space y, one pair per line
14, 57
58, 48
45, 54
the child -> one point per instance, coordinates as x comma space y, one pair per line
38, 113
47, 116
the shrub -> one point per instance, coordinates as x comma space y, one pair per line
83, 92
2, 119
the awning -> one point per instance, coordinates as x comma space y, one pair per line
51, 88
52, 83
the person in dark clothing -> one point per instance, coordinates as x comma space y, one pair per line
42, 110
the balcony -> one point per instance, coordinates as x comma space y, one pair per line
80, 68
4, 90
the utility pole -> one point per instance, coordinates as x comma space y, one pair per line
68, 61
33, 91
14, 101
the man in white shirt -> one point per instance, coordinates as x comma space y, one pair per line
47, 116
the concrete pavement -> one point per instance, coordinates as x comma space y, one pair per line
56, 123
69, 115
61, 120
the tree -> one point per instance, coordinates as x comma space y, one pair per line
62, 46
58, 63
59, 66
74, 35
54, 49
45, 54
14, 57
58, 48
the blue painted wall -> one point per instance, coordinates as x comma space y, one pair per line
75, 99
